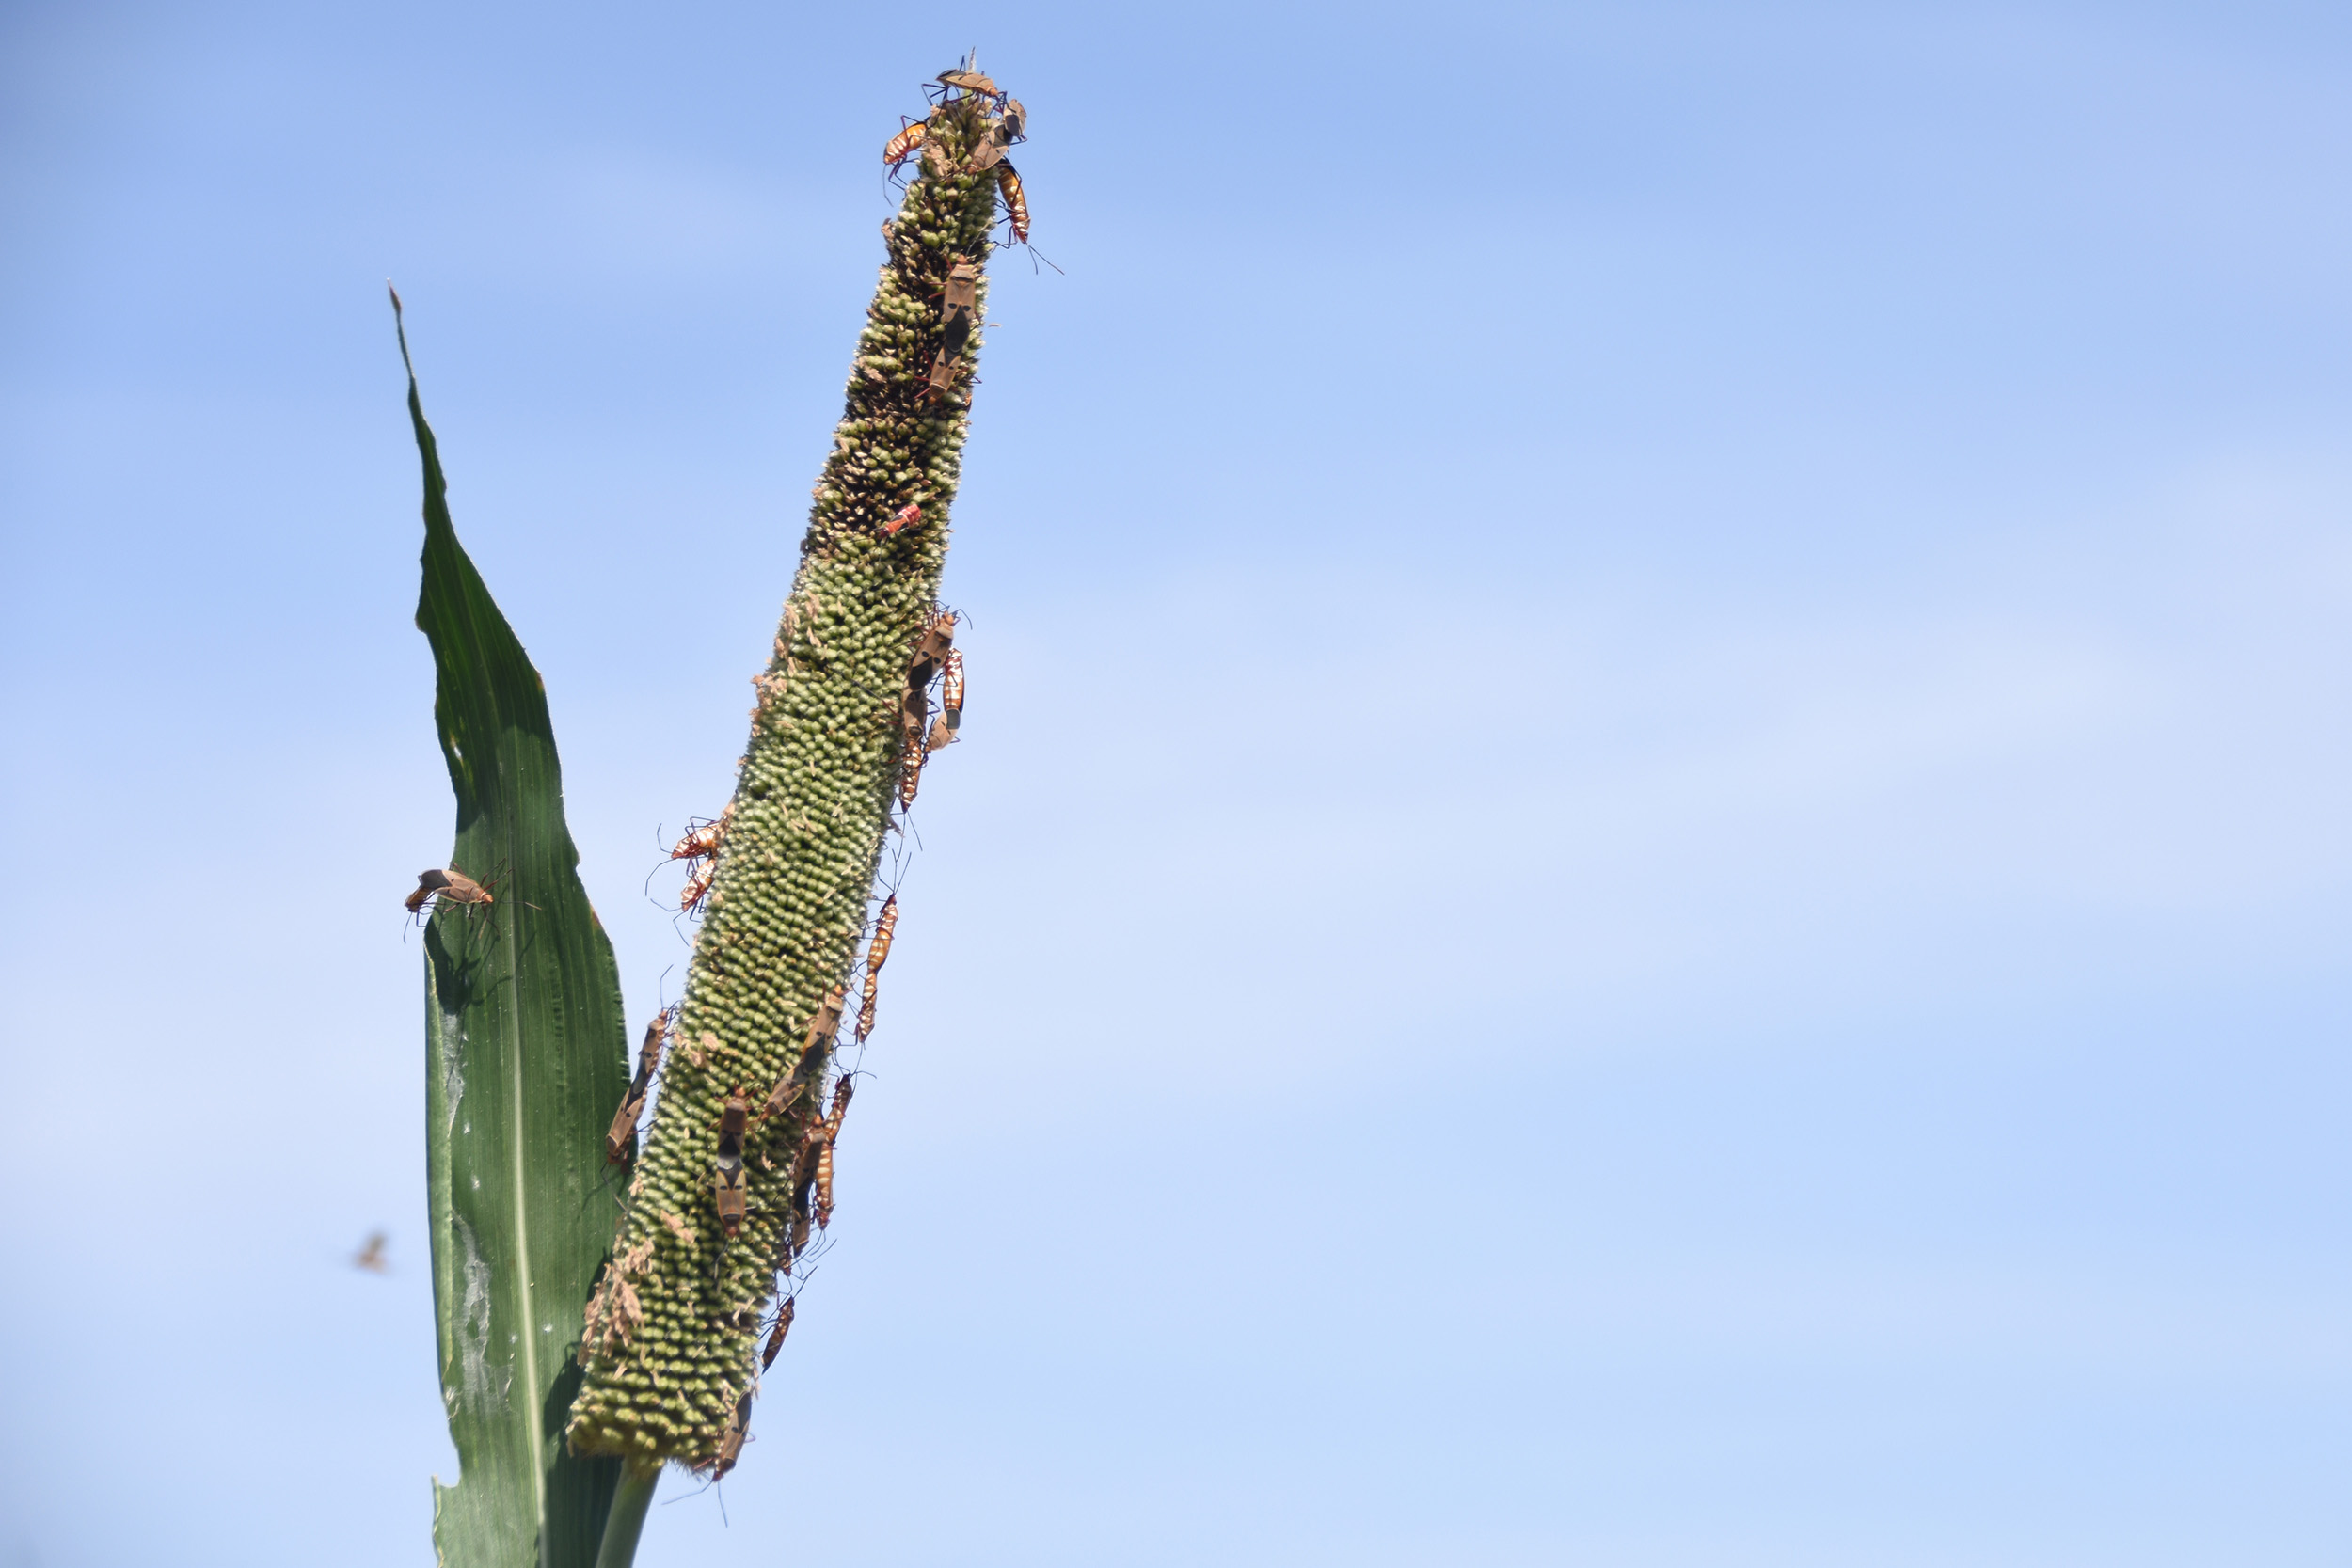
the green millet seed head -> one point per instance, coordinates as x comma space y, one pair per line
673, 1328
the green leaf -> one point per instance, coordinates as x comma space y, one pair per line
526, 1059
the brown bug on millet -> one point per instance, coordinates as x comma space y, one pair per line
727, 1167
624, 1130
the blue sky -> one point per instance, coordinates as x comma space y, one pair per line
1649, 868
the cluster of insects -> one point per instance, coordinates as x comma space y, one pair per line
937, 662
1000, 123
790, 1129
699, 850
928, 716
812, 1175
958, 89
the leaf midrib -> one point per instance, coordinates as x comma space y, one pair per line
517, 1132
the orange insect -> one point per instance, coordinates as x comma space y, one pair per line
876, 956
703, 839
453, 886
1014, 126
727, 1167
899, 149
910, 779
951, 689
943, 377
830, 1132
775, 1341
690, 898
1016, 204
943, 734
371, 1257
905, 515
885, 927
970, 81
623, 1127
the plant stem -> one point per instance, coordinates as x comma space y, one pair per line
628, 1520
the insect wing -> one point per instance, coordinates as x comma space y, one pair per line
937, 640
963, 292
727, 1188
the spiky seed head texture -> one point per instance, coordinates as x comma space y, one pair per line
672, 1345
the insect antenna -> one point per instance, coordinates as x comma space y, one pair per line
711, 1485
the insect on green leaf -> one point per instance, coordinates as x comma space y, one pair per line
526, 1056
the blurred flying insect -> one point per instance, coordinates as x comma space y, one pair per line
371, 1255
623, 1132
690, 898
1016, 204
775, 1338
727, 1165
